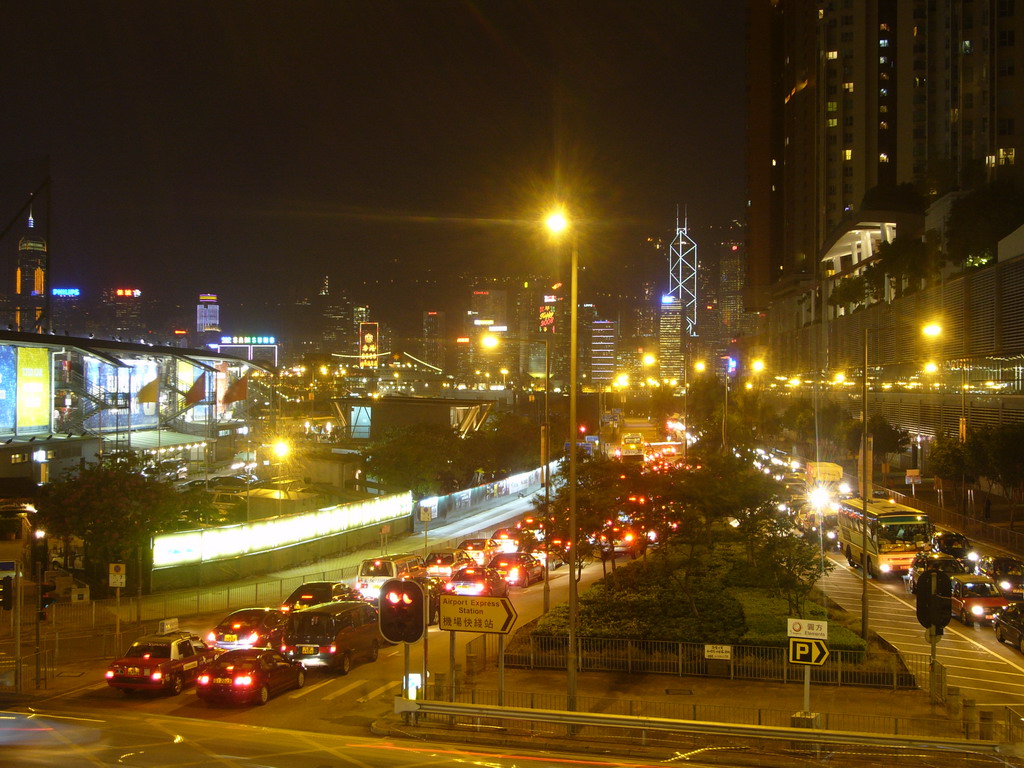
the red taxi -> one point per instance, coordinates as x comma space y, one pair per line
164, 662
975, 598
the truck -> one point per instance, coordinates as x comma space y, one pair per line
161, 662
632, 447
824, 472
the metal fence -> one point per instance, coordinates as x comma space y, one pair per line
37, 669
934, 727
878, 670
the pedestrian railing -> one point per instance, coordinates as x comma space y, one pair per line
877, 670
36, 670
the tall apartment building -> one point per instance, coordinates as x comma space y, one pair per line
603, 341
847, 100
433, 340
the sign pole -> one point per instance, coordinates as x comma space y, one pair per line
117, 614
405, 680
426, 628
451, 666
501, 670
18, 584
807, 688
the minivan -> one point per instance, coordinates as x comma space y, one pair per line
332, 635
317, 592
375, 571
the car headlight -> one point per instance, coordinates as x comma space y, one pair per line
1005, 586
978, 610
831, 535
972, 556
885, 567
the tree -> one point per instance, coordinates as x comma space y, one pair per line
791, 565
114, 509
1007, 461
426, 459
979, 220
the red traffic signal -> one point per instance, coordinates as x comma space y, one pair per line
402, 609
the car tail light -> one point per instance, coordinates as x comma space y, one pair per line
242, 680
364, 585
157, 675
284, 649
254, 638
449, 587
203, 680
212, 637
513, 574
332, 649
476, 589
110, 674
286, 608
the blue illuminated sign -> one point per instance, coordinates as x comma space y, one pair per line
67, 292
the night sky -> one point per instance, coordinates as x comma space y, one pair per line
248, 148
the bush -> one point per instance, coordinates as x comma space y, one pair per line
765, 618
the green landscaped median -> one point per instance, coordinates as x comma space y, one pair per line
765, 618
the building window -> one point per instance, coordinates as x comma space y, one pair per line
1006, 68
847, 154
1006, 38
1006, 156
832, 55
883, 60
883, 92
832, 106
883, 157
848, 87
883, 43
883, 27
966, 47
848, 171
1005, 8
883, 126
1004, 126
19, 458
833, 122
883, 109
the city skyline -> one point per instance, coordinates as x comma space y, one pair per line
196, 151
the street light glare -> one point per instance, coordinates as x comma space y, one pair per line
650, 359
490, 341
700, 366
758, 366
281, 449
556, 222
932, 329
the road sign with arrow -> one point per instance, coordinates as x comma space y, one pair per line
807, 651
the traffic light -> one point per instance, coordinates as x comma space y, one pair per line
934, 609
7, 593
403, 611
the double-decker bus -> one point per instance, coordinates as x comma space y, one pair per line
895, 534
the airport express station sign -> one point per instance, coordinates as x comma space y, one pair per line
465, 613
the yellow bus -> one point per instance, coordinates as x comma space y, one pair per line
895, 534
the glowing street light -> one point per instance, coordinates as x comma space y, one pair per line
557, 222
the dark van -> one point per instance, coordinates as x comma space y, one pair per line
332, 635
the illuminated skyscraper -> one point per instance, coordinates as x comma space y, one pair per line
671, 353
30, 281
207, 313
603, 339
433, 339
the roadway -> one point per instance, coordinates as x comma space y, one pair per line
983, 668
329, 703
108, 739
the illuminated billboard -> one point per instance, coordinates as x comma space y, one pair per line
34, 401
8, 385
547, 318
368, 335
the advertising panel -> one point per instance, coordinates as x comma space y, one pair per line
132, 380
34, 400
368, 334
8, 384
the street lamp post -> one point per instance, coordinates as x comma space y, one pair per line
557, 222
864, 494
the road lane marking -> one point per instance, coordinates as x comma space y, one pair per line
379, 692
346, 689
976, 644
309, 689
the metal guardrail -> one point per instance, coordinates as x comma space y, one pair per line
966, 524
937, 727
642, 725
877, 670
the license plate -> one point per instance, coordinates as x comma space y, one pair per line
308, 650
222, 680
230, 638
133, 671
